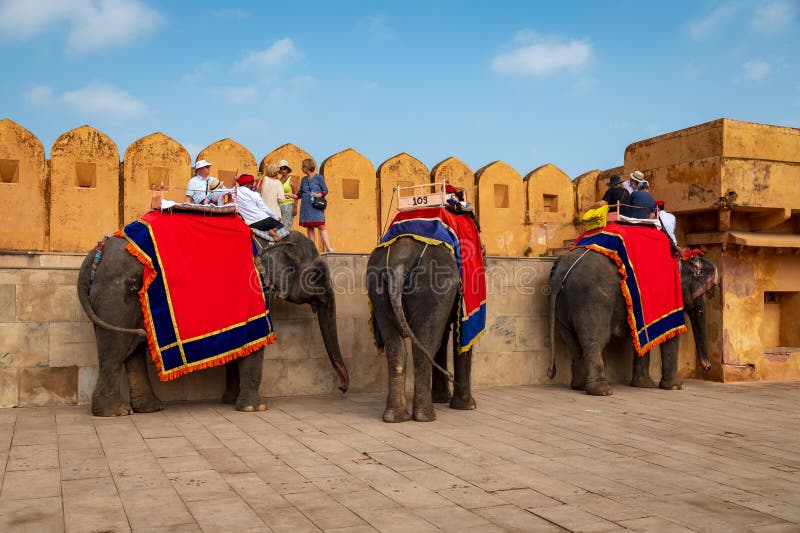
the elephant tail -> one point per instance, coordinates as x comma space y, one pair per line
84, 286
395, 287
551, 369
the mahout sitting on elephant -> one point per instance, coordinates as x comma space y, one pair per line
588, 308
109, 282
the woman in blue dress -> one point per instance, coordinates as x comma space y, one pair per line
311, 218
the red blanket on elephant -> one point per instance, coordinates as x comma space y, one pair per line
650, 280
202, 298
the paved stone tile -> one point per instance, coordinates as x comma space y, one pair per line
82, 464
653, 523
471, 497
93, 501
31, 515
435, 479
155, 508
574, 519
511, 518
32, 457
364, 500
288, 520
31, 484
399, 461
411, 495
454, 518
397, 520
526, 498
226, 514
223, 461
322, 510
257, 493
188, 463
200, 485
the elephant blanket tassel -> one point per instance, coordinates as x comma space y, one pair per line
436, 225
202, 298
650, 280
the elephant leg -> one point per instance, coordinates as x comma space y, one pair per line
250, 368
396, 410
641, 371
440, 390
423, 409
112, 351
669, 365
143, 399
592, 345
578, 379
462, 373
231, 383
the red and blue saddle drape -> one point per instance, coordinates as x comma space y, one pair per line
202, 298
436, 225
650, 280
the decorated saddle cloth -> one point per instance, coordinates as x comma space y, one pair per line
436, 225
202, 298
650, 280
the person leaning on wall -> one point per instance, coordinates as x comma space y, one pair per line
289, 205
313, 186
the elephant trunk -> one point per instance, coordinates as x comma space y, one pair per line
699, 329
326, 315
85, 284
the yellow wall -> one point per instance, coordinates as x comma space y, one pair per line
22, 188
84, 189
229, 159
551, 209
455, 172
402, 170
351, 217
148, 162
586, 190
501, 205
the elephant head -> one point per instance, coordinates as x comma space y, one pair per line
698, 277
295, 272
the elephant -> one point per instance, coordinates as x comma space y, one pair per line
587, 307
414, 292
293, 271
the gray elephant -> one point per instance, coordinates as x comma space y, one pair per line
413, 291
293, 270
587, 307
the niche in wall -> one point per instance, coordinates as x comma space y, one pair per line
85, 175
350, 189
500, 195
779, 332
9, 170
550, 203
156, 176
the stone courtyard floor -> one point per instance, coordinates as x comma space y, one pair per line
541, 458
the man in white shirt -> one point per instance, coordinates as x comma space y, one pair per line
635, 179
252, 209
197, 189
668, 223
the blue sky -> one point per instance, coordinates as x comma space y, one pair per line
570, 83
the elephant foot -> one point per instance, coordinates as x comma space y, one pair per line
577, 385
645, 382
395, 415
443, 396
427, 414
148, 405
118, 409
250, 406
674, 385
464, 404
599, 388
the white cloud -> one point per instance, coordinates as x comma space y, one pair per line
104, 100
543, 57
772, 17
719, 16
280, 54
376, 28
235, 95
755, 70
92, 25
39, 95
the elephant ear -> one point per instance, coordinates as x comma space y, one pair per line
316, 282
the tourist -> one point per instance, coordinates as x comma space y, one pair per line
614, 194
643, 205
272, 190
252, 209
635, 178
313, 186
289, 205
197, 189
